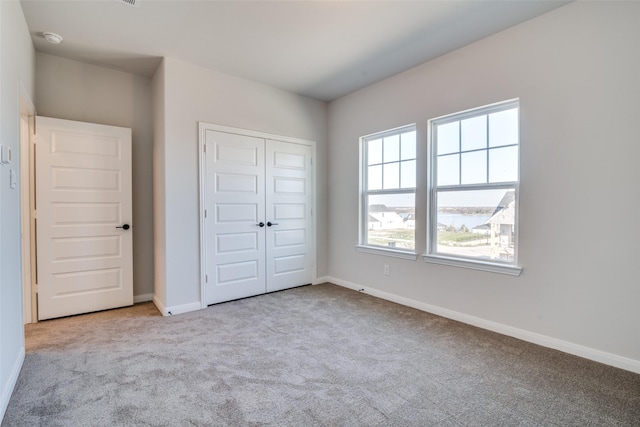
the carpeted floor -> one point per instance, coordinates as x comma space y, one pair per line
312, 356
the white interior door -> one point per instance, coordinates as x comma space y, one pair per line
289, 192
234, 210
83, 201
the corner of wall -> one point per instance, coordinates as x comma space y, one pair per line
158, 84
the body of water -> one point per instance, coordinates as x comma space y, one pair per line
458, 220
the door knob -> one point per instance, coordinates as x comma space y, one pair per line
269, 224
125, 227
260, 224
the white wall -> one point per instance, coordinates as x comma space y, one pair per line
193, 94
576, 71
17, 64
88, 93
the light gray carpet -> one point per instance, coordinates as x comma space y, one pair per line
312, 356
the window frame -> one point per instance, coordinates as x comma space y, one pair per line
432, 255
363, 245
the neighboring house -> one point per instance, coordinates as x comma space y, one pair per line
501, 224
374, 223
484, 229
410, 221
384, 218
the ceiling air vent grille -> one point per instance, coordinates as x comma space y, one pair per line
133, 3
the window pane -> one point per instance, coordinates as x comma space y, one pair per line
374, 178
391, 176
476, 224
474, 133
448, 170
503, 128
392, 149
474, 167
408, 146
408, 174
503, 164
448, 138
374, 152
391, 221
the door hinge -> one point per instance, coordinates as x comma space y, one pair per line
35, 288
205, 213
204, 148
34, 215
206, 278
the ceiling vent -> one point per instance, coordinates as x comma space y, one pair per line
133, 3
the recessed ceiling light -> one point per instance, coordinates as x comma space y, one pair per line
52, 38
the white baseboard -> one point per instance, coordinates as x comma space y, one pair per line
322, 279
177, 309
11, 383
142, 298
532, 337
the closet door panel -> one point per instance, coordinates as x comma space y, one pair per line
235, 205
289, 196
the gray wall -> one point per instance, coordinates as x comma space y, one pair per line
17, 62
74, 90
576, 71
193, 94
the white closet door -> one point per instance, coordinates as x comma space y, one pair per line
235, 206
289, 191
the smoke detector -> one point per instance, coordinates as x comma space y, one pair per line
52, 38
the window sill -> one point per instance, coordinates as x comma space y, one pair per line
492, 267
387, 252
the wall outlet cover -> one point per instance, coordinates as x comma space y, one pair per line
5, 154
12, 179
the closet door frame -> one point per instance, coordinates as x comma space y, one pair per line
203, 128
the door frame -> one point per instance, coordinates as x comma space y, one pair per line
202, 128
27, 112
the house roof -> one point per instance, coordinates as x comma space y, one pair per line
501, 214
379, 208
508, 198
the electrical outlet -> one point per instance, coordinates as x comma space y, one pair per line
386, 269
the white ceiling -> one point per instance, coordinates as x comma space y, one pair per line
322, 49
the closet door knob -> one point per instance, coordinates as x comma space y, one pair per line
125, 227
271, 223
260, 224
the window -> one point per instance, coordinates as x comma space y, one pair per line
474, 185
388, 189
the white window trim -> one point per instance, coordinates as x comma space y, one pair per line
510, 268
363, 213
380, 250
492, 267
